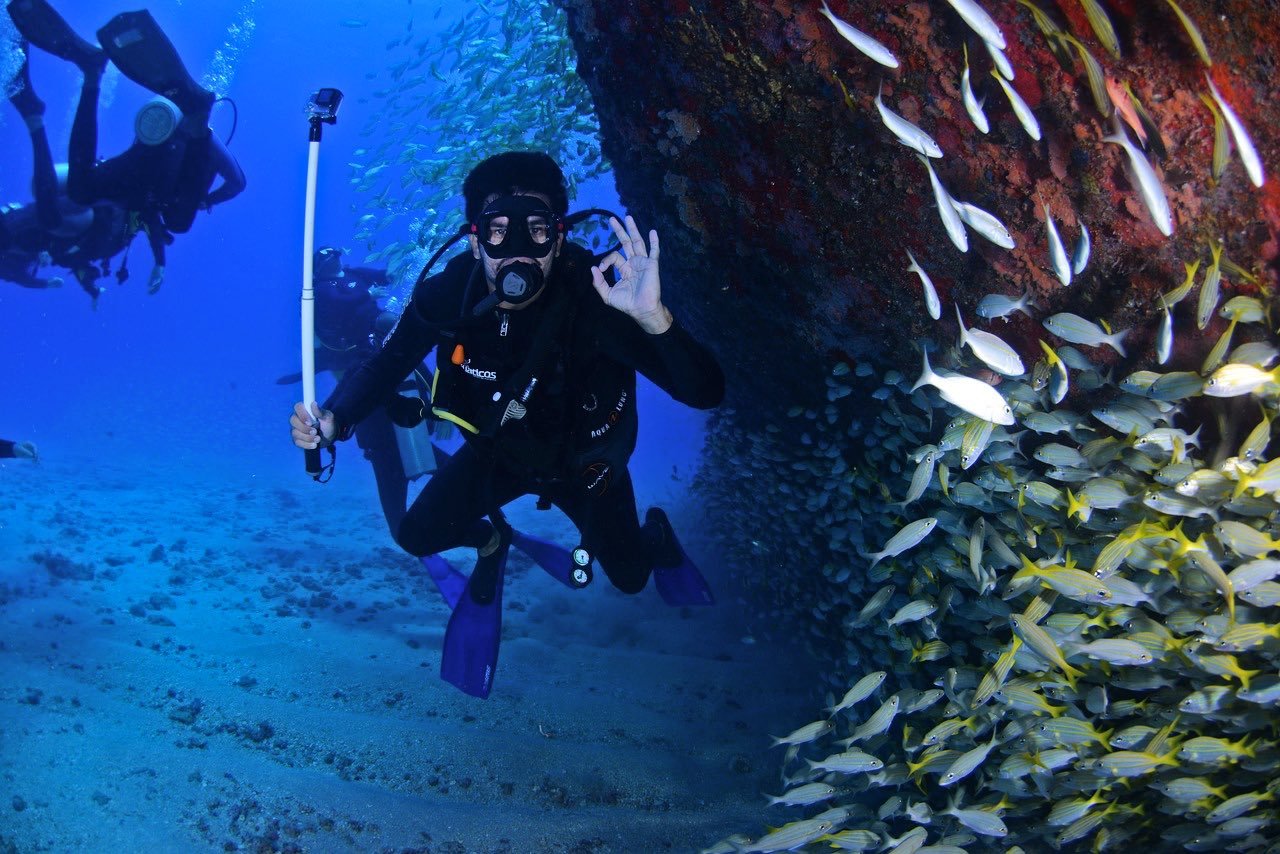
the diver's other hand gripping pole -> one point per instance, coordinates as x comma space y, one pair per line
322, 108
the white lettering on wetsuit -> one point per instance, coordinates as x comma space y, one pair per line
613, 417
491, 376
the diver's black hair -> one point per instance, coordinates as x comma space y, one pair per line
515, 172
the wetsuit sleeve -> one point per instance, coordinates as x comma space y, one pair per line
158, 238
370, 384
233, 181
674, 361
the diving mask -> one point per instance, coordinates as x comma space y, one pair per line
517, 227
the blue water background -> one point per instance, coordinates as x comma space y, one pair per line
186, 377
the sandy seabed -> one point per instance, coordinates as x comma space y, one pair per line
217, 661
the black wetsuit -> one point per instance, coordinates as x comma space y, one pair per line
6, 449
165, 184
572, 446
83, 241
86, 254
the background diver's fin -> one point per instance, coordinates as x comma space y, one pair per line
470, 656
683, 585
679, 583
144, 54
41, 25
556, 560
451, 583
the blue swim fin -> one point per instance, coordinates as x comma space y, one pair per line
471, 640
678, 581
555, 560
451, 583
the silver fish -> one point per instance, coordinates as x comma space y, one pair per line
980, 22
971, 395
1249, 575
1026, 118
910, 535
1149, 186
968, 762
995, 353
998, 305
971, 104
1115, 651
861, 689
907, 133
805, 734
1057, 252
999, 60
789, 837
1080, 256
809, 793
1164, 338
874, 605
1248, 154
1077, 330
1232, 380
860, 40
850, 762
1243, 308
921, 479
1210, 288
879, 722
931, 302
946, 209
915, 610
984, 223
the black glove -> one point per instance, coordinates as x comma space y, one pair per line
406, 411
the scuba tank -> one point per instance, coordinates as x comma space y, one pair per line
417, 455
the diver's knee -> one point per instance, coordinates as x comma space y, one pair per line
408, 540
630, 584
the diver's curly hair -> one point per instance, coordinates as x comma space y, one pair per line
515, 172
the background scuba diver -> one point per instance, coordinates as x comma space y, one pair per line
349, 329
165, 176
539, 372
55, 230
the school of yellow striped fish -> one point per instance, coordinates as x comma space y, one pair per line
503, 76
1060, 616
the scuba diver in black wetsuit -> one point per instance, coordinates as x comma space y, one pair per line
165, 176
349, 329
20, 450
55, 231
537, 358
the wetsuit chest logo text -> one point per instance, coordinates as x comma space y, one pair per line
491, 376
612, 419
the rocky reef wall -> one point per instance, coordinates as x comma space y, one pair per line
746, 133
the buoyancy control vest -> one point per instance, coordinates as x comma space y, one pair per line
531, 385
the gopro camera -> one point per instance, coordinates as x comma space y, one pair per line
323, 106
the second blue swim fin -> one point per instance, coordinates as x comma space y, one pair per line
451, 583
678, 581
555, 560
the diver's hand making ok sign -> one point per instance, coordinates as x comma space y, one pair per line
636, 291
